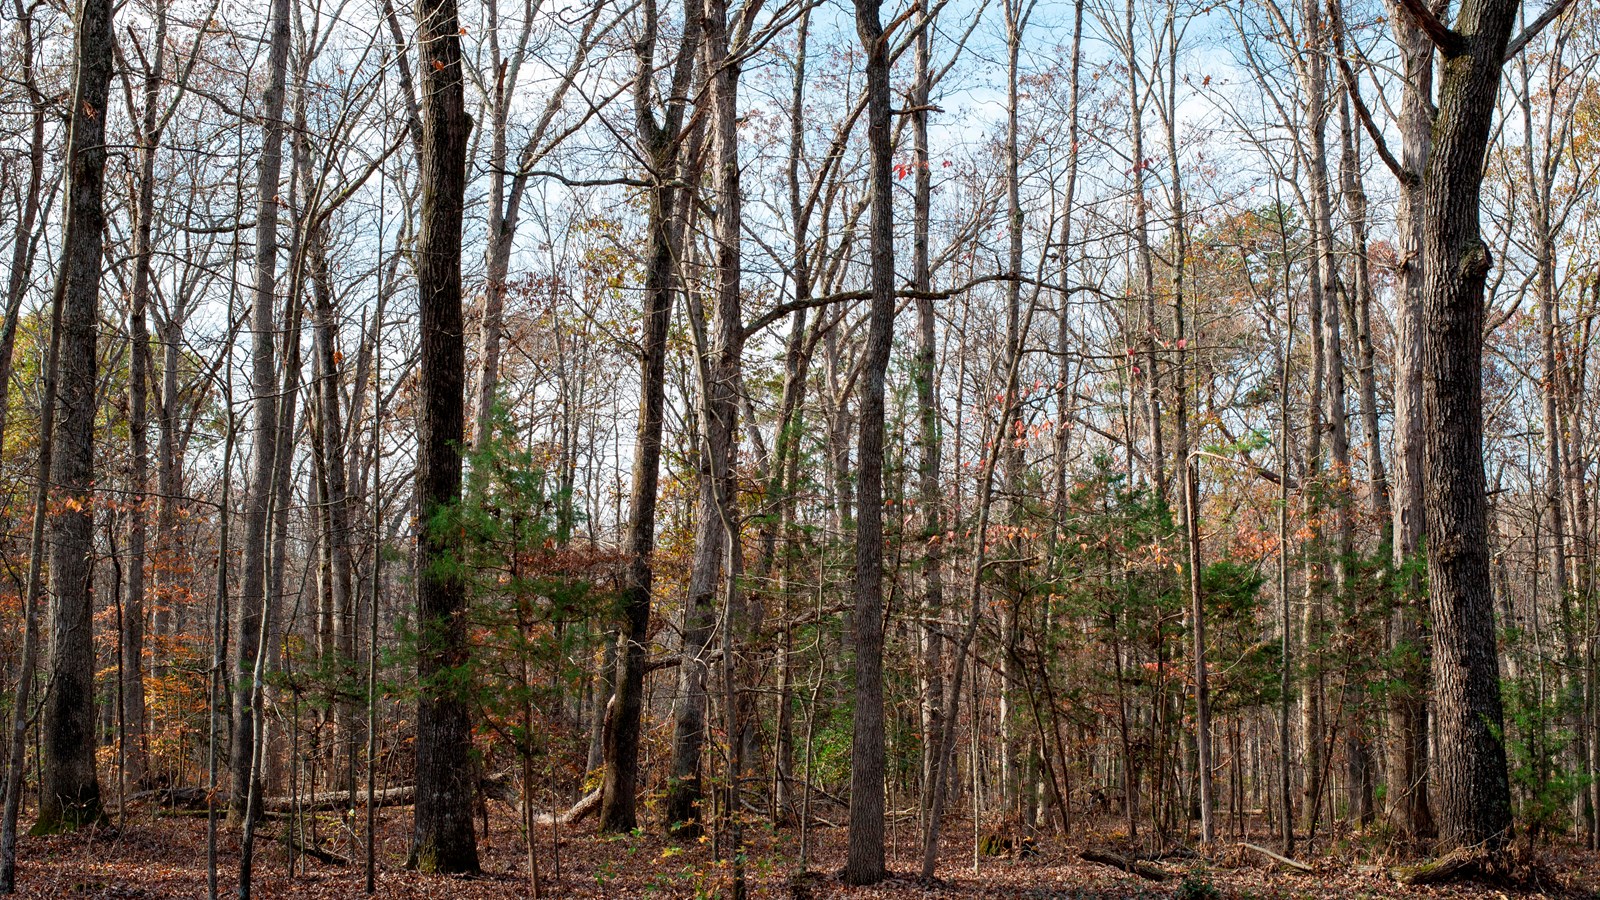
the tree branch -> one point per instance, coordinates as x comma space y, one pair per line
1448, 41
588, 182
784, 309
1551, 13
1405, 176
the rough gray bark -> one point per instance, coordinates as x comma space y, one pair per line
1013, 769
1474, 793
865, 861
719, 362
69, 791
442, 835
1311, 66
336, 517
1356, 299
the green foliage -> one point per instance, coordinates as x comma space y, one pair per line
531, 595
531, 598
1196, 886
1245, 668
1537, 742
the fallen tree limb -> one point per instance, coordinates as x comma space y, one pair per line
1277, 857
327, 857
1453, 866
173, 797
326, 800
577, 813
1137, 867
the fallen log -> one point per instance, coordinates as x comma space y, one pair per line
577, 813
1453, 866
1138, 867
327, 800
170, 798
1277, 857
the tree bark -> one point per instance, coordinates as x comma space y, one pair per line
442, 836
69, 791
1474, 795
1408, 709
865, 860
264, 400
660, 140
139, 370
928, 437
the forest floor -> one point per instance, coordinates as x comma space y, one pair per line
166, 857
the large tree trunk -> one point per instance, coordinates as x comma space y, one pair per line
715, 543
720, 362
1013, 774
264, 399
1313, 81
442, 837
865, 861
69, 792
1474, 795
1357, 306
661, 141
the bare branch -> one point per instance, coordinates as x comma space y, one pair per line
1551, 13
1449, 42
1405, 176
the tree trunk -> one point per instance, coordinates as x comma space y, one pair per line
1408, 708
1190, 487
1156, 464
264, 399
1474, 796
442, 838
660, 141
139, 370
69, 792
928, 438
337, 536
865, 861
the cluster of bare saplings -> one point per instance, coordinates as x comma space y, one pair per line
1157, 420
